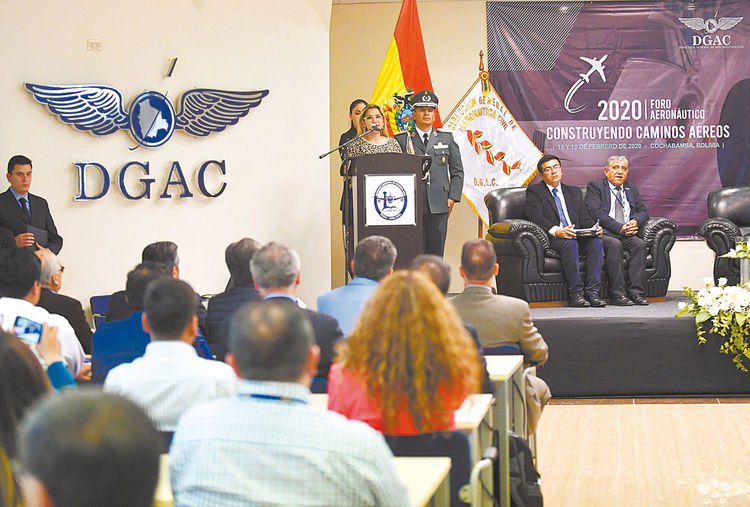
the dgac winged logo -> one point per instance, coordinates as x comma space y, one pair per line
151, 118
710, 25
596, 66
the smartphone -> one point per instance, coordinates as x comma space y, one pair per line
27, 330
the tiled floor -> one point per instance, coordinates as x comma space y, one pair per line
645, 401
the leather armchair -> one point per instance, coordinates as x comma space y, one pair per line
728, 223
531, 270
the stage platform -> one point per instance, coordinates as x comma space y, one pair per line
633, 351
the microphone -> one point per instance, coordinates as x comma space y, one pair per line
375, 128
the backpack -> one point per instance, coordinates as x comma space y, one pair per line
525, 489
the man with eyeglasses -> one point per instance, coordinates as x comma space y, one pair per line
558, 209
445, 179
619, 208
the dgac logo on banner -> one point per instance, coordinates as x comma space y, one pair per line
710, 26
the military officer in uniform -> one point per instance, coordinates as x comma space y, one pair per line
445, 179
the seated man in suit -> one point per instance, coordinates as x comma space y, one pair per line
164, 252
618, 207
54, 302
276, 271
240, 291
20, 210
373, 260
558, 209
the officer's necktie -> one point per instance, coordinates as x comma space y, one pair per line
560, 210
25, 208
619, 210
424, 140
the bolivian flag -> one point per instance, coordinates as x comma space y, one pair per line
404, 71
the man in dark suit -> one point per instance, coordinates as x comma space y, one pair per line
276, 274
54, 302
558, 209
618, 207
445, 180
241, 290
20, 210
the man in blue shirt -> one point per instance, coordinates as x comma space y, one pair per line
274, 448
373, 260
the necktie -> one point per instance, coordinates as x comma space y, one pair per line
619, 211
425, 138
25, 207
560, 210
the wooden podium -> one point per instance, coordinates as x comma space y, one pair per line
388, 198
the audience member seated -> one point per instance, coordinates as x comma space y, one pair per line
164, 252
54, 302
276, 272
408, 364
122, 341
19, 283
170, 377
88, 449
439, 271
268, 445
240, 291
501, 320
373, 260
22, 382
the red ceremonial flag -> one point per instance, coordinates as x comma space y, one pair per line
404, 71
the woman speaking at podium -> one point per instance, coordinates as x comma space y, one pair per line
377, 140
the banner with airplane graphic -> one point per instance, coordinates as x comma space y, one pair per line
666, 84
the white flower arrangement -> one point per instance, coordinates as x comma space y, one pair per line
741, 251
727, 309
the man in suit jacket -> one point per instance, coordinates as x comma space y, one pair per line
558, 209
276, 274
241, 290
20, 209
373, 260
445, 180
54, 302
500, 320
618, 207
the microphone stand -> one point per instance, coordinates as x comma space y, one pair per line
347, 209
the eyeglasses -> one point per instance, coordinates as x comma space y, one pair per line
553, 168
376, 117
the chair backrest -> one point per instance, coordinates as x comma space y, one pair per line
503, 350
166, 440
452, 444
99, 309
505, 203
732, 203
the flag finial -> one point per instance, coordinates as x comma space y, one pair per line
481, 60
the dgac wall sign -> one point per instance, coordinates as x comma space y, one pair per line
175, 180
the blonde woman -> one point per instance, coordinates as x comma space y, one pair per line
408, 364
377, 141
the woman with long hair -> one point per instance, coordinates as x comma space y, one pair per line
355, 112
377, 141
22, 382
408, 364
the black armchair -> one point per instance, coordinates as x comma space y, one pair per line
531, 270
728, 223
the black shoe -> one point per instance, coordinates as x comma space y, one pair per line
639, 300
578, 301
620, 301
595, 301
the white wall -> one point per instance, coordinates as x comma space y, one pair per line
454, 32
275, 182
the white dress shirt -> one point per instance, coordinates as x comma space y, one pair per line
269, 446
168, 379
564, 206
72, 352
613, 200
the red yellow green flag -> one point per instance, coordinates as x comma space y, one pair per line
404, 71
